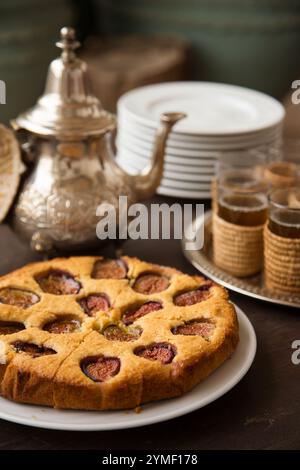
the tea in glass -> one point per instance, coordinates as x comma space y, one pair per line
248, 210
284, 213
242, 198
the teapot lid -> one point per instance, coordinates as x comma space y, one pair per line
68, 108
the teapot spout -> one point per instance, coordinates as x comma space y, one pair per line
146, 182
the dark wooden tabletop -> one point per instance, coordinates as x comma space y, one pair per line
261, 412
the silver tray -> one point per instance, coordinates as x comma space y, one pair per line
251, 286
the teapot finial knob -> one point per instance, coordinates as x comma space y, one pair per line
68, 43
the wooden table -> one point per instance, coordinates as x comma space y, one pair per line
261, 412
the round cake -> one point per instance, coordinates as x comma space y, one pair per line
98, 334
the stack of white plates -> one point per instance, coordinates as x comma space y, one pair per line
221, 119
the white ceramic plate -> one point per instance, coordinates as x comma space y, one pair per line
129, 121
132, 154
145, 148
211, 108
139, 165
176, 140
177, 184
220, 382
200, 159
188, 177
167, 189
186, 185
183, 193
145, 142
188, 169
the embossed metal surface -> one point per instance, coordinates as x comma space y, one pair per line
250, 286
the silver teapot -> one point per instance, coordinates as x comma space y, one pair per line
69, 140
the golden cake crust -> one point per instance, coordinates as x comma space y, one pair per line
57, 375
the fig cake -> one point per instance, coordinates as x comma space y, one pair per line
99, 334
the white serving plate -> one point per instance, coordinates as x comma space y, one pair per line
170, 191
174, 183
132, 154
188, 177
186, 185
124, 139
183, 194
127, 124
211, 108
188, 169
219, 383
139, 165
145, 141
186, 146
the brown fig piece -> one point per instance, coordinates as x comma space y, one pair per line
100, 368
10, 327
115, 333
163, 352
109, 269
32, 349
58, 282
62, 326
151, 283
132, 315
18, 297
194, 296
201, 327
94, 303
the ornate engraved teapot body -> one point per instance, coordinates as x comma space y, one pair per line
74, 166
